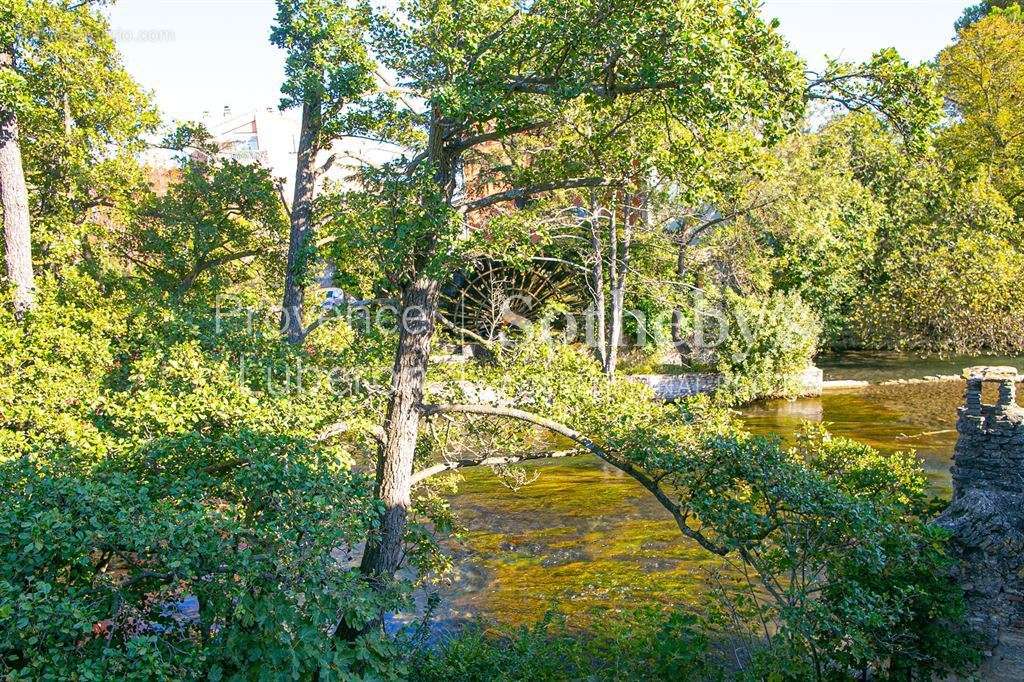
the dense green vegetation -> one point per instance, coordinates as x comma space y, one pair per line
195, 488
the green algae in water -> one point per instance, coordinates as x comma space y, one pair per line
585, 535
582, 536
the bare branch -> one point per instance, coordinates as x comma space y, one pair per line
732, 215
455, 329
603, 453
284, 200
452, 465
341, 428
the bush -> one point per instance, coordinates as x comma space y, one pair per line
840, 572
207, 558
770, 342
642, 645
956, 298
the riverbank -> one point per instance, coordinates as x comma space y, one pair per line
877, 367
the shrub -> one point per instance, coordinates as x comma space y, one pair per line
647, 645
955, 298
207, 558
838, 572
770, 342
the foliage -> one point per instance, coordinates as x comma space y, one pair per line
981, 78
976, 13
180, 493
901, 95
805, 224
82, 117
951, 298
609, 96
835, 552
644, 644
832, 558
146, 469
768, 345
328, 68
197, 556
214, 221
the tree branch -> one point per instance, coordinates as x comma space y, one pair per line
495, 135
205, 266
524, 192
341, 428
284, 200
623, 465
701, 229
454, 464
455, 329
534, 86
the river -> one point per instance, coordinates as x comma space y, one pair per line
585, 537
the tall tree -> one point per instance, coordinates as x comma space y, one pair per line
216, 219
976, 13
982, 77
491, 75
327, 70
14, 197
81, 119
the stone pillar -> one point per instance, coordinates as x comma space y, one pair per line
986, 519
1008, 394
972, 400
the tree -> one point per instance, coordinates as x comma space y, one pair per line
466, 61
766, 215
938, 297
801, 223
13, 191
216, 217
976, 13
843, 606
81, 118
901, 95
326, 71
661, 168
981, 78
827, 541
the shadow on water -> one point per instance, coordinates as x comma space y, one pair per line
919, 417
584, 535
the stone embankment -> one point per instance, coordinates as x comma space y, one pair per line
671, 387
986, 519
677, 386
846, 384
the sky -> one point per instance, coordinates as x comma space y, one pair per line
203, 55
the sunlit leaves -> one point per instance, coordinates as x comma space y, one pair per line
981, 77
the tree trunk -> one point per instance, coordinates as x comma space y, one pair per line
619, 269
384, 549
597, 282
14, 201
301, 222
678, 314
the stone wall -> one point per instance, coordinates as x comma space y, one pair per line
986, 519
677, 386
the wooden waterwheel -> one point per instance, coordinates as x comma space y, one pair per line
493, 296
